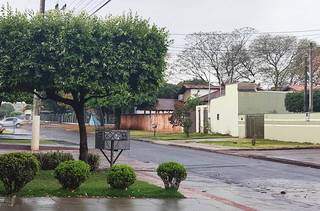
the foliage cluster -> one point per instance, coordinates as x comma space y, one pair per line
71, 174
16, 170
121, 176
50, 160
181, 115
294, 102
172, 174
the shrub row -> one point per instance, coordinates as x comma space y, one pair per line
50, 160
294, 102
17, 169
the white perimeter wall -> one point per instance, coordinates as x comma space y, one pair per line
200, 118
292, 127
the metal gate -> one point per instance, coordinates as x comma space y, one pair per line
255, 126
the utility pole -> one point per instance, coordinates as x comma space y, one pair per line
306, 98
42, 6
36, 105
310, 78
208, 109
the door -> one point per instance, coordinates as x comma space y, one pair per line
255, 126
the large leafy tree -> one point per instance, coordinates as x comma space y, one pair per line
72, 59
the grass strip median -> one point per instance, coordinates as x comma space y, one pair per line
45, 185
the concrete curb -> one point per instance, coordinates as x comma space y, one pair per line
43, 147
228, 152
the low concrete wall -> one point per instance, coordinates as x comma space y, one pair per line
145, 122
292, 127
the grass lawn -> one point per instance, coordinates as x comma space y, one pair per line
45, 185
172, 136
24, 141
260, 144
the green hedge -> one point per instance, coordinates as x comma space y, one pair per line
71, 174
16, 170
50, 160
121, 176
172, 174
295, 102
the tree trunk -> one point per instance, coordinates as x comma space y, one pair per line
79, 110
117, 113
101, 115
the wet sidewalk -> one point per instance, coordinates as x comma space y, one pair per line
301, 157
103, 204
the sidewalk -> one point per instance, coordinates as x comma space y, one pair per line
301, 157
102, 204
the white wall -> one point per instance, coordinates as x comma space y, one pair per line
227, 108
292, 127
200, 111
236, 103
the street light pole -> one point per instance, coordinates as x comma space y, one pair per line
310, 78
36, 105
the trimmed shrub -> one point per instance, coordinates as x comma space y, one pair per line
16, 170
50, 160
72, 173
121, 176
93, 161
172, 174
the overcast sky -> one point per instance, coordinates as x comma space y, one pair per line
188, 16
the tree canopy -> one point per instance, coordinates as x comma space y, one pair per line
241, 55
72, 58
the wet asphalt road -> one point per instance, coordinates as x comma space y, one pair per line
251, 181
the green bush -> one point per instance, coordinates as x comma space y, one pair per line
93, 161
16, 170
6, 109
121, 176
294, 102
50, 160
72, 173
172, 174
16, 113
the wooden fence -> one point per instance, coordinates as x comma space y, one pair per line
145, 122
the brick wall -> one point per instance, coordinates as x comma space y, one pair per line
145, 121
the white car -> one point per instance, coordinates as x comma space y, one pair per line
10, 122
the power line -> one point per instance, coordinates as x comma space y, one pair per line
100, 7
257, 33
74, 3
87, 4
79, 4
95, 6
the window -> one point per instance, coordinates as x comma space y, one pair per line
218, 116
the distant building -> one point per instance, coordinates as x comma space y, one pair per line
300, 88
